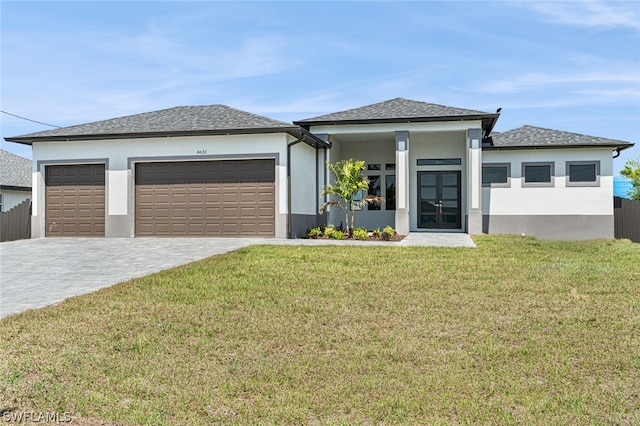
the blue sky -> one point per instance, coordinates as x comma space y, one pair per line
566, 65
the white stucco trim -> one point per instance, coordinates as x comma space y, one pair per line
118, 192
475, 183
401, 180
435, 126
35, 191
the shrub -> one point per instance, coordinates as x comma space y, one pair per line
387, 233
328, 231
360, 234
376, 233
314, 233
337, 235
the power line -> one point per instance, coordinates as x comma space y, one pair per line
28, 119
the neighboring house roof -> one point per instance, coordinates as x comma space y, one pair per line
177, 121
539, 137
402, 110
15, 171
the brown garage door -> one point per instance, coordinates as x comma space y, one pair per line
74, 200
206, 198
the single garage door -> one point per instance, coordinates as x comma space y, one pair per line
205, 198
74, 200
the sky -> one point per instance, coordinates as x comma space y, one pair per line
565, 65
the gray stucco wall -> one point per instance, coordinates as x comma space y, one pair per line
557, 227
300, 223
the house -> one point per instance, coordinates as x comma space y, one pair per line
443, 168
218, 171
15, 180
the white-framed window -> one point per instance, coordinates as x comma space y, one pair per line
496, 175
583, 173
538, 174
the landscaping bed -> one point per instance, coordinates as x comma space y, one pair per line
361, 234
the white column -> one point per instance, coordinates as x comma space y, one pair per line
37, 204
474, 182
281, 201
402, 182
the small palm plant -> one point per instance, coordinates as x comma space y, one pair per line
349, 182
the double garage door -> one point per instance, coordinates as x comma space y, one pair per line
197, 198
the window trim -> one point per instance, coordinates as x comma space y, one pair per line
568, 181
421, 162
552, 173
506, 184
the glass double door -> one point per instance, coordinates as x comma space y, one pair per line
439, 204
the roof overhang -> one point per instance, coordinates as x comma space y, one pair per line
616, 147
488, 121
15, 188
295, 131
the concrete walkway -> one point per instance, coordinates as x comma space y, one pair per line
41, 272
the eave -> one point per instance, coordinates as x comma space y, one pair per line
488, 121
15, 188
296, 132
619, 147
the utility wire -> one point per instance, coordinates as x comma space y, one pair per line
28, 119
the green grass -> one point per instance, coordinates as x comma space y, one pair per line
517, 331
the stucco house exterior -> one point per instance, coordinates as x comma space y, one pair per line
15, 180
219, 171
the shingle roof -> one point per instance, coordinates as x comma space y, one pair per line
182, 119
394, 109
531, 136
14, 170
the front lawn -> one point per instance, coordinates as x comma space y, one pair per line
517, 330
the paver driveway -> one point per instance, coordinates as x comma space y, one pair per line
40, 272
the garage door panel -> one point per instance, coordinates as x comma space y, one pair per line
75, 200
209, 198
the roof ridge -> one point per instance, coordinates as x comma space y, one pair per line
396, 108
254, 114
531, 126
172, 120
528, 135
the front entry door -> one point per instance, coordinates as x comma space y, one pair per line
439, 200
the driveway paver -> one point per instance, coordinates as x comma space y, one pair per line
41, 272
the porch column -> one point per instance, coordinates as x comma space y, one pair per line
402, 182
474, 182
322, 179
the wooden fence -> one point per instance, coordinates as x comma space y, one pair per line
626, 218
16, 223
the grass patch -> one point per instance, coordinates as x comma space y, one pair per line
518, 330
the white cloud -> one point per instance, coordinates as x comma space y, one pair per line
591, 13
535, 81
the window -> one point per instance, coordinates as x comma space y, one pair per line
583, 173
496, 175
537, 174
439, 161
380, 181
390, 192
374, 189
